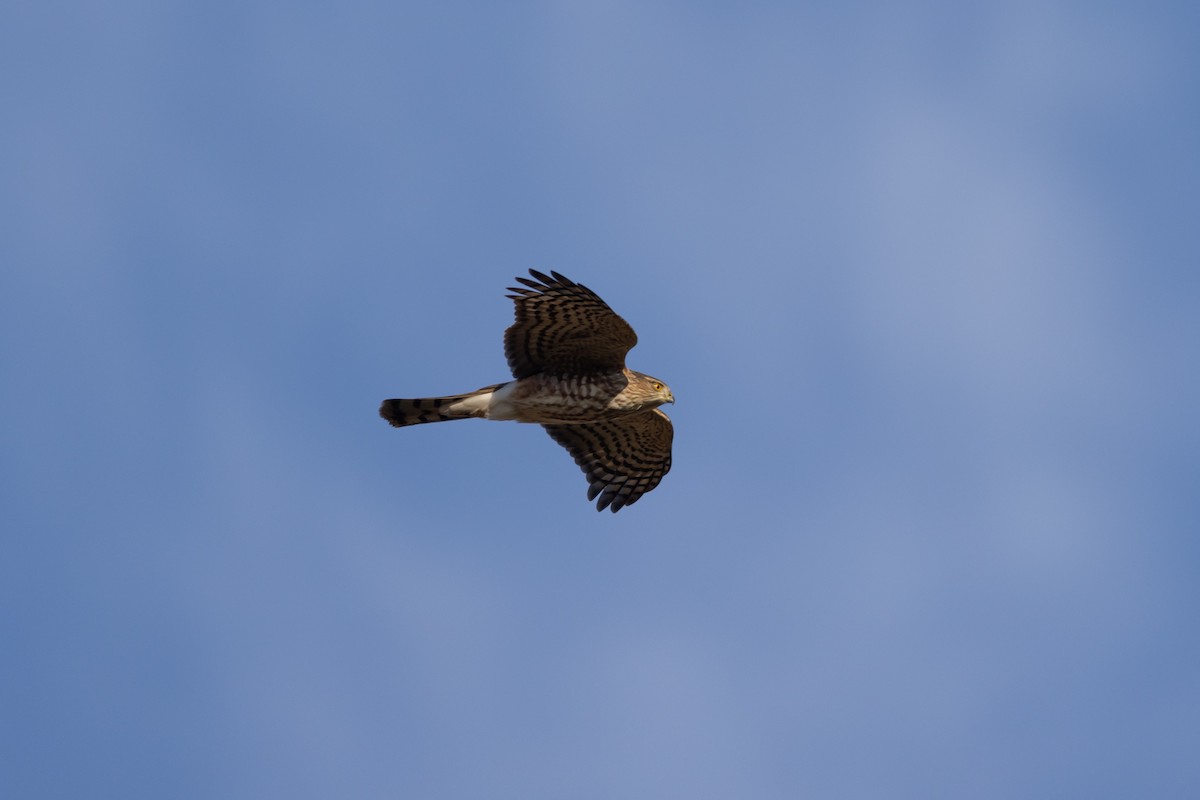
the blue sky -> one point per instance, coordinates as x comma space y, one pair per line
922, 278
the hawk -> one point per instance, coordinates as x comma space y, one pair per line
567, 352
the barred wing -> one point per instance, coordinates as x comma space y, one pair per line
564, 328
623, 458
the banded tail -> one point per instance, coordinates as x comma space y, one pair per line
401, 412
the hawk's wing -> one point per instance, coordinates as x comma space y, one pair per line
562, 327
623, 458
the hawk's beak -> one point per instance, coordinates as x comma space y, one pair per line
671, 399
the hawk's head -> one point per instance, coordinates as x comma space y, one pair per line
648, 391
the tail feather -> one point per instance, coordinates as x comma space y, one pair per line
401, 412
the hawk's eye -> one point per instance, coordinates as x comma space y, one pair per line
657, 386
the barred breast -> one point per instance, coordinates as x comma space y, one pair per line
568, 398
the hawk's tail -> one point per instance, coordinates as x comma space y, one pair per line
401, 412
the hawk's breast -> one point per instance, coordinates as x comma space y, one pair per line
567, 398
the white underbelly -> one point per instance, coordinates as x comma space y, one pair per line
499, 402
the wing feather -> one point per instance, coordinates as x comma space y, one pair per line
563, 328
623, 458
